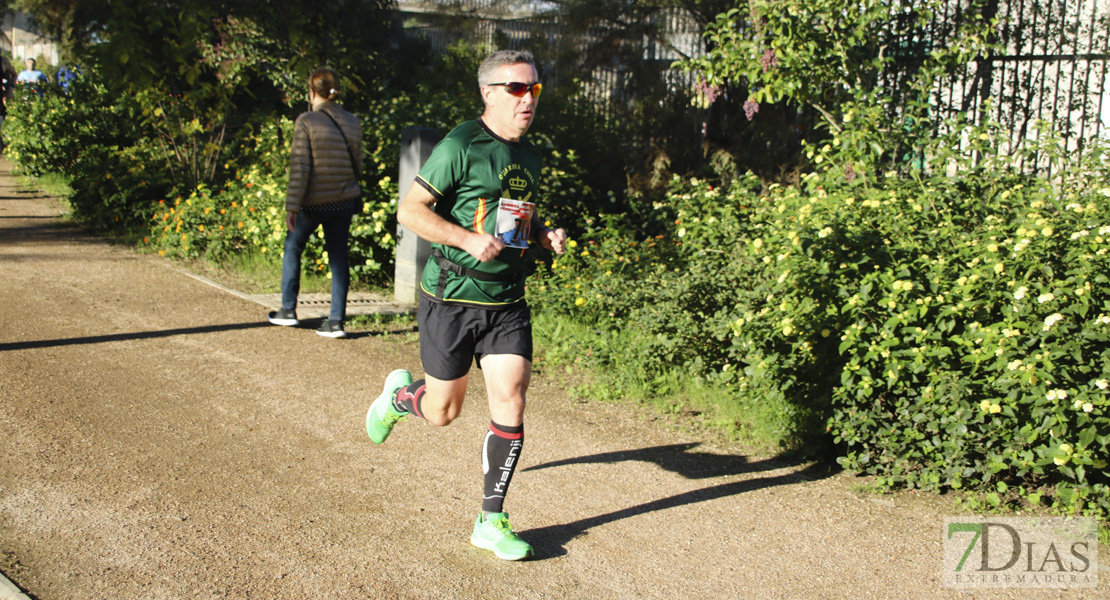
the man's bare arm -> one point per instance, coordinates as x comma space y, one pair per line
418, 214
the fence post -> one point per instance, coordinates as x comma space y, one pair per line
412, 251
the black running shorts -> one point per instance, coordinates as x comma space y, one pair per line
451, 336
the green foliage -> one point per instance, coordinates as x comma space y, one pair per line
941, 332
150, 162
247, 214
663, 305
978, 354
242, 216
199, 70
571, 200
91, 137
810, 52
868, 68
151, 55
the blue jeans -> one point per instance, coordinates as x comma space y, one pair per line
336, 232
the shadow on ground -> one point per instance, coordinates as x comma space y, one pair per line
50, 229
549, 541
123, 337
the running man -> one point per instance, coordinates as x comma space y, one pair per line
472, 304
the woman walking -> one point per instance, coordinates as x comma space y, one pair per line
324, 168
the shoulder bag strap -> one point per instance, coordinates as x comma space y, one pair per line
350, 153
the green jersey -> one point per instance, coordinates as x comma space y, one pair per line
481, 182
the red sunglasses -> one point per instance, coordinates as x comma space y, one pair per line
518, 89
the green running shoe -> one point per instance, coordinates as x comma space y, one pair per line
495, 534
381, 417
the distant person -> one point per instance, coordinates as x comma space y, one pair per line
324, 190
66, 74
31, 74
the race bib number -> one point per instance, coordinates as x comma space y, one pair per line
514, 222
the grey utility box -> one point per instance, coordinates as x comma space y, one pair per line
412, 251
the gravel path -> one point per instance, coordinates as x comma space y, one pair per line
158, 440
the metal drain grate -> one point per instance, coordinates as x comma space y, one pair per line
312, 305
357, 304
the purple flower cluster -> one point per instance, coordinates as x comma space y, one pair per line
769, 60
711, 92
750, 108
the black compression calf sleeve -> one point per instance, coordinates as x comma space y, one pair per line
500, 454
408, 398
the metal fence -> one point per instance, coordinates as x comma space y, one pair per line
501, 23
484, 22
1052, 66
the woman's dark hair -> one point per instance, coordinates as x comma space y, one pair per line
325, 83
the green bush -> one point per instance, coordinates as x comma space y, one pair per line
939, 332
247, 213
975, 339
91, 138
661, 309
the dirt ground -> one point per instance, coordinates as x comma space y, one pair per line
159, 440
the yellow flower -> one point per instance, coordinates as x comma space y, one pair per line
572, 244
1063, 460
579, 301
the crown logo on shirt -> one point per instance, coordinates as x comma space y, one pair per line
516, 183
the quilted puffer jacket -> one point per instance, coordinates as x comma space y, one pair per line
320, 169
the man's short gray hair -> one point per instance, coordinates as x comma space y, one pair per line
489, 66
